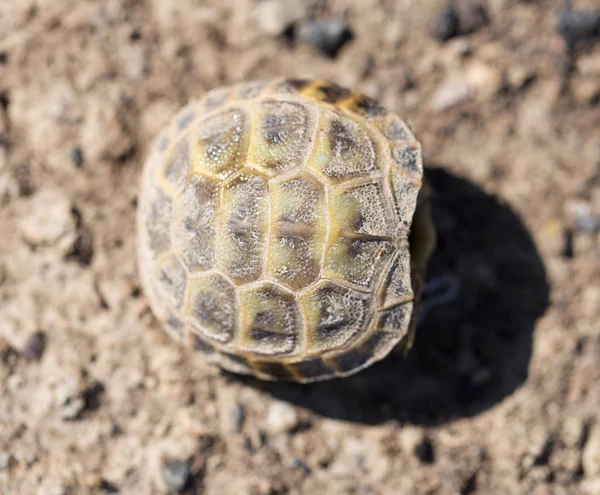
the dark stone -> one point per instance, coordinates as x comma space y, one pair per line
108, 487
238, 415
92, 395
578, 25
568, 248
445, 25
469, 485
24, 180
299, 465
459, 17
327, 36
472, 16
176, 475
76, 155
425, 451
35, 345
83, 247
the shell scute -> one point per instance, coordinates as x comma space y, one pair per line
298, 231
212, 307
221, 142
244, 229
195, 223
282, 134
343, 149
270, 319
334, 315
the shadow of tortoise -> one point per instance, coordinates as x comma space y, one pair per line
471, 351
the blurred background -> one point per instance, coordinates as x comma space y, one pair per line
501, 392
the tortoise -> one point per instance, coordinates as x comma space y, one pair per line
283, 229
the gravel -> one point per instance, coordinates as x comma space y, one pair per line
176, 475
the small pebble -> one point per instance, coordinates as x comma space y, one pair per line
425, 452
542, 458
83, 247
328, 36
6, 460
135, 61
584, 219
238, 417
72, 409
459, 17
578, 25
568, 247
176, 475
472, 16
115, 429
92, 394
274, 17
281, 417
24, 180
469, 484
591, 453
76, 156
49, 218
445, 25
35, 345
484, 78
108, 487
451, 94
299, 465
71, 397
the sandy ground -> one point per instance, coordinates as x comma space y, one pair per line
501, 392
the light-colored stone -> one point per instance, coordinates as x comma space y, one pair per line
15, 382
134, 60
48, 219
410, 437
451, 94
69, 396
582, 216
281, 417
274, 16
486, 80
6, 460
104, 135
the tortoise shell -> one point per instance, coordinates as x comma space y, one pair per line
274, 229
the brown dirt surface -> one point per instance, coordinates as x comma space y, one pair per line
501, 391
